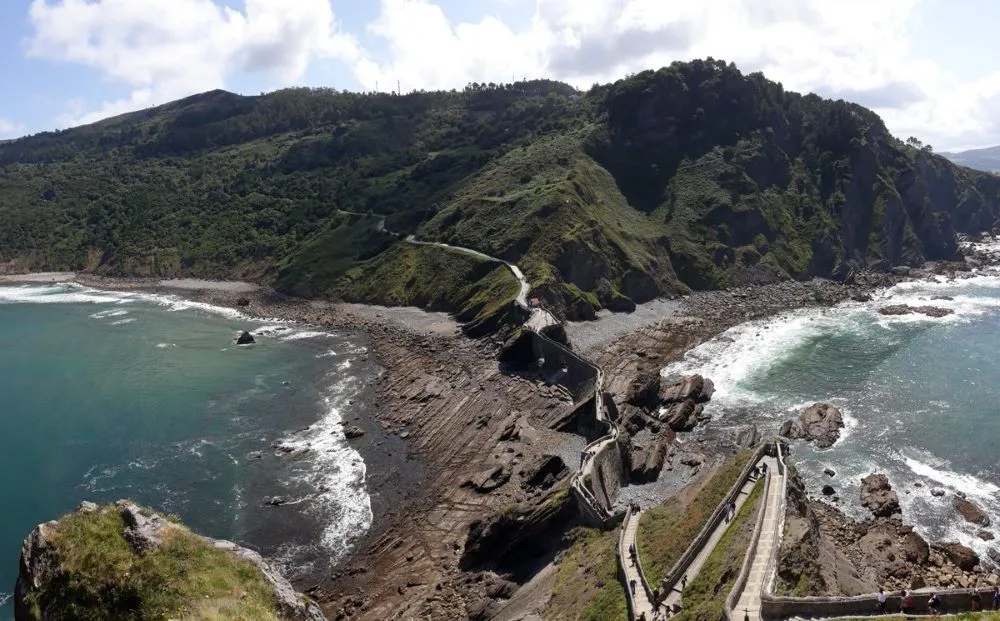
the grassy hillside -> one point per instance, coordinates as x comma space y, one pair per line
693, 176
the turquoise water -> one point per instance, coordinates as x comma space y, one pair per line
109, 396
921, 396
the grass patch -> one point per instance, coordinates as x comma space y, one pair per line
100, 578
434, 278
666, 531
587, 586
706, 594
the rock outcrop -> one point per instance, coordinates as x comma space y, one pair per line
905, 309
245, 339
647, 462
969, 511
682, 401
877, 495
963, 557
42, 569
820, 423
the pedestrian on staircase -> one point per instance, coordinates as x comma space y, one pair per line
631, 585
907, 606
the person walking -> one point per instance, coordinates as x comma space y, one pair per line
906, 606
977, 600
934, 604
996, 597
880, 601
684, 582
631, 585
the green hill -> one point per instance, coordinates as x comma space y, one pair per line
693, 176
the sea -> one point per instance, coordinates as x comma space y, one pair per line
920, 396
109, 395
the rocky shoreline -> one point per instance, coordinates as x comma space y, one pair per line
440, 407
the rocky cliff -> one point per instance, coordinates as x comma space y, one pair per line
126, 562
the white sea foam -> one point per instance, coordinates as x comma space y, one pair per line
57, 294
936, 470
165, 345
304, 334
122, 322
109, 313
5, 597
335, 469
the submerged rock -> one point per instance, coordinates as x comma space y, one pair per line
969, 511
820, 423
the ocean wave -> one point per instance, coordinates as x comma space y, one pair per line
109, 313
335, 469
58, 294
305, 334
123, 322
5, 597
936, 470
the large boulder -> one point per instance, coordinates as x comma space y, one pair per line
820, 423
245, 339
915, 548
682, 416
691, 388
648, 462
877, 495
969, 511
644, 391
963, 557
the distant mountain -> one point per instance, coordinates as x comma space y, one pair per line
987, 159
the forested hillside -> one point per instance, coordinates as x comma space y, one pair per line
693, 176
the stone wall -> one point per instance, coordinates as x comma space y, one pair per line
822, 607
608, 474
565, 367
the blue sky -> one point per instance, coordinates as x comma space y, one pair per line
924, 65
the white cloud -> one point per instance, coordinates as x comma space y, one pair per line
10, 129
853, 49
164, 49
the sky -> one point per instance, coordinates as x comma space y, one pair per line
926, 66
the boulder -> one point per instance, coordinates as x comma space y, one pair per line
820, 423
969, 511
648, 462
644, 391
747, 437
353, 432
245, 339
877, 495
937, 491
985, 535
830, 472
828, 490
961, 556
682, 416
691, 388
915, 548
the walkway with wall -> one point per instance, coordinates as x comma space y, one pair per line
760, 570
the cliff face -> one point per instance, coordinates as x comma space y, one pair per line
122, 562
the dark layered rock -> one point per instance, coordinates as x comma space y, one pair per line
969, 511
820, 423
543, 472
682, 401
877, 495
905, 309
647, 462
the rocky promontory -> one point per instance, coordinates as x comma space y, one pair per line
677, 402
124, 561
824, 552
820, 423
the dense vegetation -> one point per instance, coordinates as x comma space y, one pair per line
665, 532
100, 577
693, 176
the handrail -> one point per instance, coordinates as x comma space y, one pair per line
623, 565
680, 566
744, 575
642, 575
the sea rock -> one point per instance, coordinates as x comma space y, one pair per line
828, 490
985, 535
245, 339
691, 388
969, 511
820, 423
877, 495
937, 491
830, 472
275, 501
682, 416
906, 309
963, 557
353, 432
747, 437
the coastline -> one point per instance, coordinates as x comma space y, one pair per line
411, 484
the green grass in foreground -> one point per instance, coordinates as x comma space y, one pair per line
100, 577
587, 586
666, 531
706, 594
